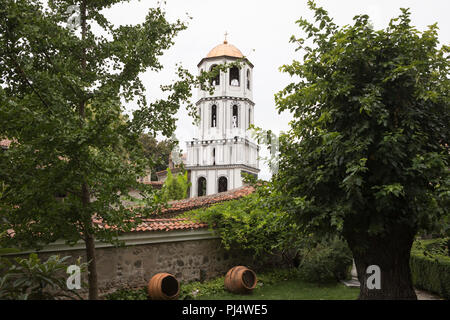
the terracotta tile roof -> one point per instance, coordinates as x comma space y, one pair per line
165, 223
169, 225
179, 206
4, 143
168, 222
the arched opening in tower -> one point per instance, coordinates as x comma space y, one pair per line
216, 80
235, 119
248, 79
223, 184
214, 116
201, 185
234, 77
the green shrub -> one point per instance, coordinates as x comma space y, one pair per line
326, 262
31, 279
433, 247
175, 187
250, 224
430, 269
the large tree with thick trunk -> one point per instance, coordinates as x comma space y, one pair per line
65, 73
367, 154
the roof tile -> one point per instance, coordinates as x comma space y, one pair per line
5, 143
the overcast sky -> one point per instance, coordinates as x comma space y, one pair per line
261, 30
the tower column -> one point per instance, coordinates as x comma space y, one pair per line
215, 153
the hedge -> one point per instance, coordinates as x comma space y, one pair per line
431, 273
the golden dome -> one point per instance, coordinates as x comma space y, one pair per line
225, 49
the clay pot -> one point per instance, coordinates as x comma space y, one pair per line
163, 286
240, 279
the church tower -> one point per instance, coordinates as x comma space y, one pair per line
222, 148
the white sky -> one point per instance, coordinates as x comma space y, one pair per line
261, 30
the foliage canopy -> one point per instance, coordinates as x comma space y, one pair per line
369, 143
367, 153
62, 95
175, 187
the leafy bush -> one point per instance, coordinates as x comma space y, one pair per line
327, 261
254, 223
430, 266
31, 279
251, 223
433, 247
4, 251
175, 188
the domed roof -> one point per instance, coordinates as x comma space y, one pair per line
225, 49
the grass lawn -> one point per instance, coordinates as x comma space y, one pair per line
282, 284
293, 289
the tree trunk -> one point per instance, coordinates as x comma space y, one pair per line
89, 241
391, 253
86, 199
92, 267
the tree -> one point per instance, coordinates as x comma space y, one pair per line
156, 151
175, 188
367, 154
61, 100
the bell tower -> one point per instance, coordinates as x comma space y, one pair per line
222, 149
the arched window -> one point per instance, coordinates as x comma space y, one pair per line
235, 119
216, 80
214, 156
214, 116
201, 186
248, 79
249, 116
223, 184
234, 76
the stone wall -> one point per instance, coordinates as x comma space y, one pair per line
186, 257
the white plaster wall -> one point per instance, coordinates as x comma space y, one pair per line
228, 152
225, 89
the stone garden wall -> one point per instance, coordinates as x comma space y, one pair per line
193, 255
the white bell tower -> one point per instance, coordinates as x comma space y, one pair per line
222, 148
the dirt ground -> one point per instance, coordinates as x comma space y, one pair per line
424, 295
